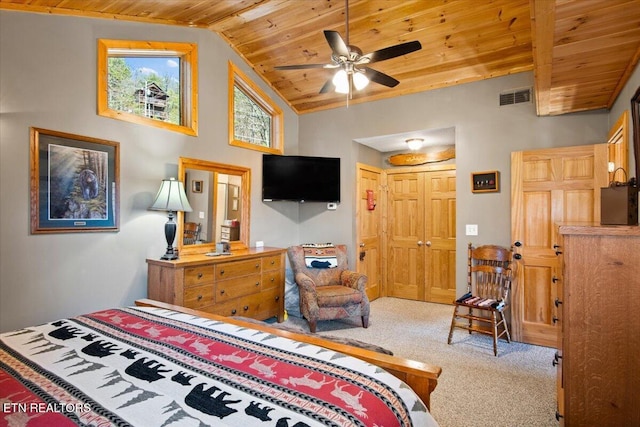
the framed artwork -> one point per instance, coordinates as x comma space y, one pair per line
485, 182
74, 183
196, 186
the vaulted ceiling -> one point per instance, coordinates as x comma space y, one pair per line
582, 52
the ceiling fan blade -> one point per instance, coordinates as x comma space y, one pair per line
380, 78
303, 66
392, 52
328, 86
338, 46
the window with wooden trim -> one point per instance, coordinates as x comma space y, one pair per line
255, 121
149, 83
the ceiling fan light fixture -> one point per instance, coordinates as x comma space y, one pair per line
414, 143
360, 81
341, 81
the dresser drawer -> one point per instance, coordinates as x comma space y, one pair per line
260, 306
271, 279
198, 296
198, 275
229, 270
237, 287
271, 262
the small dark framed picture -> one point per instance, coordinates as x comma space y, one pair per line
485, 182
196, 186
74, 183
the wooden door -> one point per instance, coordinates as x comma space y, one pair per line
405, 225
369, 230
440, 235
548, 187
421, 230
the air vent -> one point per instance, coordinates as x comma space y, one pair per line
515, 96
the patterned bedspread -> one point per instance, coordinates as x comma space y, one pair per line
152, 367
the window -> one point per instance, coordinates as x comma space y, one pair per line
150, 83
255, 121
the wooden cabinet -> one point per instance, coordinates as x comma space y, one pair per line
247, 283
598, 314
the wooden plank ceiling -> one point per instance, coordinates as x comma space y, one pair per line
582, 52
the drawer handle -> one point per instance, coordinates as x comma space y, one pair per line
233, 311
199, 297
257, 266
257, 283
273, 262
273, 279
199, 275
554, 279
221, 291
221, 272
278, 298
246, 307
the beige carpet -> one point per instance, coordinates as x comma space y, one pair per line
476, 389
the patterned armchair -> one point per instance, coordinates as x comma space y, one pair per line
329, 293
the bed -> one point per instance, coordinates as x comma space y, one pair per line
156, 364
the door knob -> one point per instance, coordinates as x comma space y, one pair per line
420, 243
362, 245
428, 243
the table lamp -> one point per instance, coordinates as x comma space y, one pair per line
171, 198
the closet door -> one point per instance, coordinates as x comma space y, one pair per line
405, 225
550, 186
421, 230
440, 236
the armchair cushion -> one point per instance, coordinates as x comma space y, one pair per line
337, 296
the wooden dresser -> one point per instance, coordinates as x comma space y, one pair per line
247, 283
598, 314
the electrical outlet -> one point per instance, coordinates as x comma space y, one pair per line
201, 215
472, 229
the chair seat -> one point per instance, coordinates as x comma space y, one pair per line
337, 296
483, 303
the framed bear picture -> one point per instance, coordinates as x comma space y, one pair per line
74, 183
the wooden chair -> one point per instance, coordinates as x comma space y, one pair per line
489, 277
191, 231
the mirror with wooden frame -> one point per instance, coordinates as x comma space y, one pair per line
219, 195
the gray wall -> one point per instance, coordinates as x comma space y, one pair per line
486, 134
48, 80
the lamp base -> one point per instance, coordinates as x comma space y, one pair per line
170, 235
170, 254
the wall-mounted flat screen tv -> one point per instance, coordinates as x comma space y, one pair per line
300, 178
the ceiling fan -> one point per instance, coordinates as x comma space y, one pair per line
353, 71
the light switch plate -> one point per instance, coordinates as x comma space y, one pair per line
472, 229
